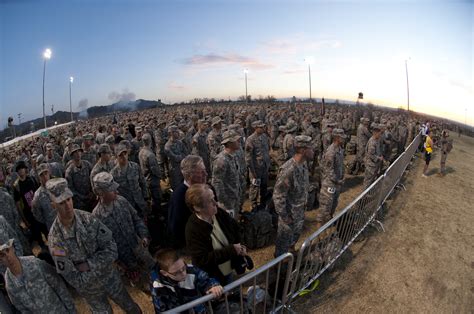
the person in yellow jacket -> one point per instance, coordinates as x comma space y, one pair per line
428, 152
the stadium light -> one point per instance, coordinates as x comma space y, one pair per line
46, 56
408, 87
71, 79
246, 71
309, 61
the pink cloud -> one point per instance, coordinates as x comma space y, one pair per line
222, 59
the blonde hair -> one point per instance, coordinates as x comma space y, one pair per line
196, 196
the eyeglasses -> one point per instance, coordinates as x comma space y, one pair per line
179, 271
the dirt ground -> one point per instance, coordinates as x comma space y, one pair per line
424, 261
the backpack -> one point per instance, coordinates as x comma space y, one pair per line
256, 229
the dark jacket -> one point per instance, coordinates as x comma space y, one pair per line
199, 243
178, 215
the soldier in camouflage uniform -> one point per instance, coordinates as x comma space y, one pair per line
84, 253
89, 152
41, 206
136, 144
446, 146
9, 211
104, 164
327, 134
289, 140
214, 139
78, 177
51, 155
33, 285
373, 156
257, 157
176, 152
226, 174
290, 195
128, 229
240, 159
161, 137
151, 171
199, 143
363, 136
6, 233
132, 184
332, 165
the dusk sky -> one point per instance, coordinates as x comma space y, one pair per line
179, 50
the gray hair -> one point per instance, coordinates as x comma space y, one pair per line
189, 163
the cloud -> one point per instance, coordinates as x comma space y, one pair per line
174, 85
124, 96
83, 103
225, 59
296, 43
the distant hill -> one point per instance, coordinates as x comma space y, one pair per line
92, 112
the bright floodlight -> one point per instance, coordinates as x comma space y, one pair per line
71, 79
309, 60
246, 71
47, 54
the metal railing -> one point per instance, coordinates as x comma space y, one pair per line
321, 249
270, 280
317, 253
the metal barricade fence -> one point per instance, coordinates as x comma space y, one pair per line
267, 291
319, 251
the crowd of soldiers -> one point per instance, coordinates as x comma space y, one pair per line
93, 195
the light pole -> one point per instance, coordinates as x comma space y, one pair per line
309, 61
71, 79
408, 87
246, 96
46, 56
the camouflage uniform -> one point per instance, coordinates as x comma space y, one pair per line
363, 136
6, 233
226, 179
176, 152
257, 157
132, 185
372, 162
102, 167
79, 182
39, 289
128, 229
151, 171
201, 149
332, 175
214, 139
90, 155
289, 141
41, 207
289, 196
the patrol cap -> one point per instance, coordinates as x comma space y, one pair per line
58, 190
258, 124
291, 126
138, 129
75, 148
126, 143
40, 159
88, 137
331, 124
49, 146
6, 245
216, 120
234, 126
120, 148
365, 120
338, 132
110, 139
375, 126
104, 182
230, 136
282, 128
316, 120
172, 128
104, 149
42, 168
34, 156
302, 141
69, 141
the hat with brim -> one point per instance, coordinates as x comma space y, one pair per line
6, 245
216, 120
120, 148
58, 190
104, 182
104, 149
258, 124
230, 137
75, 148
302, 141
291, 127
376, 127
42, 168
338, 132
